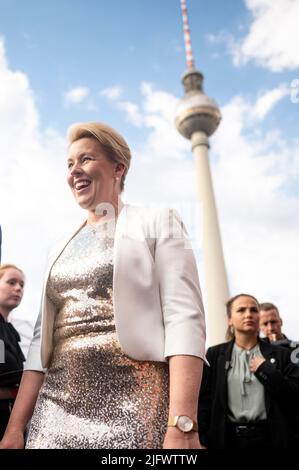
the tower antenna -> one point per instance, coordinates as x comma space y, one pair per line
187, 36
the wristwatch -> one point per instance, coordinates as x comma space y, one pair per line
183, 423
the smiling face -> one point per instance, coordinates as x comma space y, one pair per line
11, 290
92, 177
244, 315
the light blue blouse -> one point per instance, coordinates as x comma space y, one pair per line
246, 397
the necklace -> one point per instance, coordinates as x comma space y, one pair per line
97, 228
93, 228
103, 230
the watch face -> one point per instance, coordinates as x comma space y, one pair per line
185, 423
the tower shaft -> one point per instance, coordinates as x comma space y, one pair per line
216, 286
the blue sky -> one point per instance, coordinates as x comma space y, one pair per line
63, 44
120, 62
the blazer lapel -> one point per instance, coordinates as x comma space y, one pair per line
58, 250
269, 354
223, 368
49, 311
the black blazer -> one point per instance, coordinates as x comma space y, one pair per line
280, 379
11, 365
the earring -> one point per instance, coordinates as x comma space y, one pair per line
232, 330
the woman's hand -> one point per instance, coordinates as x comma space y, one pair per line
13, 440
176, 439
256, 362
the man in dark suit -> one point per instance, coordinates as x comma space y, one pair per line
271, 326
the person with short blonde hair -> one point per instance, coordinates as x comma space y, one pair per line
113, 144
118, 348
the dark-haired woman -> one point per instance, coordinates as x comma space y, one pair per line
251, 389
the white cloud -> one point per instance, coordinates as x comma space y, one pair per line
157, 114
159, 166
159, 102
159, 109
272, 40
230, 42
76, 95
132, 111
268, 100
36, 205
112, 93
15, 86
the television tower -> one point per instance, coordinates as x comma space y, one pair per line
197, 118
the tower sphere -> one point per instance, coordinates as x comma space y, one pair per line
196, 111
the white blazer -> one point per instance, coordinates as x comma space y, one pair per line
157, 300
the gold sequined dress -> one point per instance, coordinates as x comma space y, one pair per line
94, 396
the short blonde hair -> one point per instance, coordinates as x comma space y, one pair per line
4, 267
114, 145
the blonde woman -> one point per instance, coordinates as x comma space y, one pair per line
11, 356
116, 359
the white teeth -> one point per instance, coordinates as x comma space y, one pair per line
81, 185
